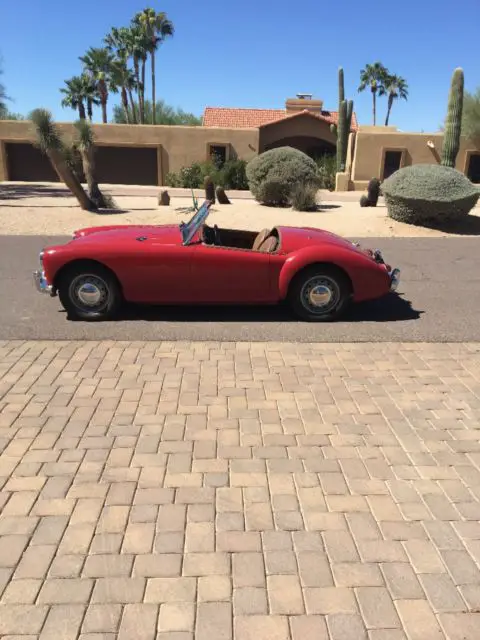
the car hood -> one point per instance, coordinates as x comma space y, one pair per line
164, 234
295, 238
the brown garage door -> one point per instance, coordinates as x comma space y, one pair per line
127, 165
28, 164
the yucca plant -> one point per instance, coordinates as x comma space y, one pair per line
51, 144
85, 143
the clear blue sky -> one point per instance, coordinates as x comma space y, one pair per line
254, 53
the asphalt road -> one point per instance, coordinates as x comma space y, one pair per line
438, 301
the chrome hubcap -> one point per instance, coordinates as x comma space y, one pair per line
89, 294
320, 294
89, 291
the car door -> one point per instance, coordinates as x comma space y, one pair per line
231, 275
157, 272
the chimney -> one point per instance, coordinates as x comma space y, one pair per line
301, 102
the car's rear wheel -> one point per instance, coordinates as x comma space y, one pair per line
320, 294
89, 292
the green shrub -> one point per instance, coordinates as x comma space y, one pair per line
429, 193
304, 197
273, 192
231, 175
327, 171
273, 174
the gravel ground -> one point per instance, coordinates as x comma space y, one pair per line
50, 210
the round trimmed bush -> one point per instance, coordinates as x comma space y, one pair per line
429, 193
274, 174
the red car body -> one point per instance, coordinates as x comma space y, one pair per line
153, 264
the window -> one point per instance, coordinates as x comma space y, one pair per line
392, 161
218, 153
473, 168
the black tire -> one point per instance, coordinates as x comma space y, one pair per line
103, 284
333, 298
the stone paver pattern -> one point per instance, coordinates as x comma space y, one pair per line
239, 491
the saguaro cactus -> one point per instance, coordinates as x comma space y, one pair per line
342, 136
453, 124
342, 129
341, 85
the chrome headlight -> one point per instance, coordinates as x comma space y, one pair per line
40, 257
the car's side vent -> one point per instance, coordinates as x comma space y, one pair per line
141, 238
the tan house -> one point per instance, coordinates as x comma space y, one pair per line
145, 154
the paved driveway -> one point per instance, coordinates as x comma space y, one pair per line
438, 302
239, 491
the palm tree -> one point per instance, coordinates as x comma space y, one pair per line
50, 142
124, 78
85, 143
98, 63
74, 95
156, 28
373, 76
395, 87
129, 42
90, 94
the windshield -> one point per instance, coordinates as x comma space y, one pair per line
190, 228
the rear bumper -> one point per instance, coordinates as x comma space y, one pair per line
41, 283
394, 276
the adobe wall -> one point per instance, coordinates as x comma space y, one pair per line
178, 146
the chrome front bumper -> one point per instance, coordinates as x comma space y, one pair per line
394, 279
41, 282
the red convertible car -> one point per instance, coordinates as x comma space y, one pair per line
316, 272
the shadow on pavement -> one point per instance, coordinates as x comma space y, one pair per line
19, 191
467, 226
392, 308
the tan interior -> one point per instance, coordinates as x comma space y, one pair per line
266, 241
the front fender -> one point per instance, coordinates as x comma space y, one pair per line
369, 280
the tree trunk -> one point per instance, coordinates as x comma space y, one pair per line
374, 94
132, 106
81, 110
142, 87
88, 164
125, 104
389, 108
70, 179
104, 110
139, 89
90, 109
103, 91
154, 114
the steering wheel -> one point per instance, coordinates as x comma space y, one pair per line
217, 241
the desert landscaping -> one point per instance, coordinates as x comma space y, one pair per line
59, 214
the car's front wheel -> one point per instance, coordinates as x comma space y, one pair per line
320, 294
89, 293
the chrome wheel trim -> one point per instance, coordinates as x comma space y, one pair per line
320, 295
89, 293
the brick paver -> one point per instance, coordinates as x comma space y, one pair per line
234, 491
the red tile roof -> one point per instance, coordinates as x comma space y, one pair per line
231, 118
